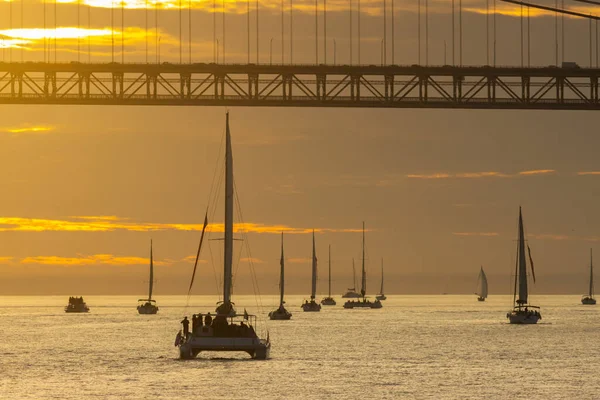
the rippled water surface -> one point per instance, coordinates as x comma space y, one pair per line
450, 347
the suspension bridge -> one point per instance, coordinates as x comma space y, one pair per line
562, 86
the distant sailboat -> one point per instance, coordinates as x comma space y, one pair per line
364, 303
281, 313
482, 286
76, 305
381, 296
351, 292
148, 306
522, 312
329, 301
589, 298
313, 306
227, 331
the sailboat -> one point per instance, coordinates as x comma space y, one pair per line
589, 298
381, 296
148, 306
227, 331
522, 312
329, 301
313, 306
351, 292
364, 303
281, 313
482, 286
76, 305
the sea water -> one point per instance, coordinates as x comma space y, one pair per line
415, 347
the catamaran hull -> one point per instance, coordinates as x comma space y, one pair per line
523, 318
258, 349
147, 310
328, 302
311, 307
361, 304
77, 310
351, 295
588, 301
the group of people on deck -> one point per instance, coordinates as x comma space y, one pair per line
219, 324
75, 300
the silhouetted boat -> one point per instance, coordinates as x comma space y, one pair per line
522, 312
312, 305
589, 299
227, 331
76, 305
281, 313
351, 292
329, 301
148, 306
381, 296
482, 286
364, 303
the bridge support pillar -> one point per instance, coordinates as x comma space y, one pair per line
457, 88
321, 87
286, 80
50, 84
560, 89
151, 85
594, 89
491, 87
16, 78
355, 87
423, 85
525, 89
83, 82
117, 85
253, 86
185, 85
389, 88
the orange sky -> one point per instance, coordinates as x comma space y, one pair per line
84, 189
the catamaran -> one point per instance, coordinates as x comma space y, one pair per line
364, 303
329, 301
227, 331
522, 312
281, 313
351, 292
381, 296
589, 299
76, 305
313, 306
482, 286
148, 306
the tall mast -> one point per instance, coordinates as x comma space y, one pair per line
228, 251
151, 284
522, 264
363, 284
591, 275
353, 275
329, 270
381, 292
314, 270
281, 276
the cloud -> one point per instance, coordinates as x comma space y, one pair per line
114, 223
584, 173
40, 129
537, 172
96, 259
480, 234
480, 175
549, 236
298, 260
252, 260
6, 260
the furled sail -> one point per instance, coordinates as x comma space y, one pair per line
522, 268
228, 248
381, 291
482, 287
314, 270
281, 276
591, 291
151, 285
363, 284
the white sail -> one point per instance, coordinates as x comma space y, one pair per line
482, 285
